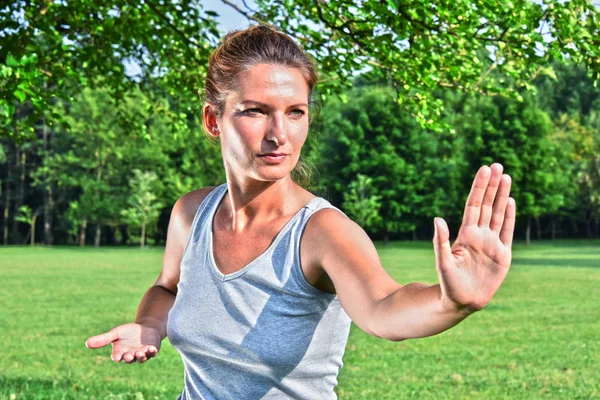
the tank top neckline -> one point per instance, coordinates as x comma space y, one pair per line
226, 277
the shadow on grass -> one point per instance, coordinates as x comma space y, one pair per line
558, 262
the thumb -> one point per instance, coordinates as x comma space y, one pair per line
101, 340
441, 241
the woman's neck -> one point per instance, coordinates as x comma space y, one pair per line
254, 202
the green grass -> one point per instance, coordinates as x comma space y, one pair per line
538, 338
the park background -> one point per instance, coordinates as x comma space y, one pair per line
100, 134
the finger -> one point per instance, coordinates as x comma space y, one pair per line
508, 227
490, 194
140, 356
152, 351
500, 204
441, 242
473, 206
117, 356
101, 340
128, 357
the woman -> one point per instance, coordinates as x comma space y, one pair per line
261, 278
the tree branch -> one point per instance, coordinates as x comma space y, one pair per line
174, 28
244, 13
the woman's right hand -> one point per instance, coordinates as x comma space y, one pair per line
130, 342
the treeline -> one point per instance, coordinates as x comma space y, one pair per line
96, 180
393, 177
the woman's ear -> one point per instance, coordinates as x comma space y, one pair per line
209, 119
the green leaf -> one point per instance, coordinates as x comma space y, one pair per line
11, 61
549, 71
393, 4
20, 95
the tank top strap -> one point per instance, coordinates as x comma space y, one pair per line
204, 216
296, 231
316, 204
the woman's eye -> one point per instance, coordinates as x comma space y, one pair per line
297, 113
252, 111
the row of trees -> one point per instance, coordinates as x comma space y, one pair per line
94, 178
95, 181
403, 175
96, 152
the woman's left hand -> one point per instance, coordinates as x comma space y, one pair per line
472, 269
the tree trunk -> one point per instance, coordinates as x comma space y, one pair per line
98, 233
538, 228
98, 179
20, 163
48, 198
574, 226
597, 222
588, 226
33, 219
553, 226
528, 232
82, 232
6, 208
143, 234
386, 239
414, 234
124, 234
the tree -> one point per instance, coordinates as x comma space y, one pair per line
422, 46
518, 135
26, 216
52, 49
361, 204
143, 208
374, 136
583, 144
3, 159
575, 104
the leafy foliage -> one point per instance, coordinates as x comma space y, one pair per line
374, 136
422, 46
51, 50
362, 206
144, 208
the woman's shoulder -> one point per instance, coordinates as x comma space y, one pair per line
186, 206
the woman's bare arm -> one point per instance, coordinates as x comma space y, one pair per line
470, 271
141, 340
158, 300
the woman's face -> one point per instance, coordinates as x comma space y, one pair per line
264, 123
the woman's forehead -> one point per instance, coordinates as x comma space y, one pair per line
268, 82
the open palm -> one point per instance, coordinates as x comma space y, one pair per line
130, 342
473, 268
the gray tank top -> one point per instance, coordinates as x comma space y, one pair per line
262, 332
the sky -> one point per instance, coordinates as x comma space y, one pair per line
229, 19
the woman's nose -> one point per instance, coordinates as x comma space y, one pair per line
277, 130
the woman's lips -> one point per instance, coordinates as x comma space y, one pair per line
273, 157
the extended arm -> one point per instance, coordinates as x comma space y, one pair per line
413, 311
470, 271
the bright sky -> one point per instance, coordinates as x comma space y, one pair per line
229, 19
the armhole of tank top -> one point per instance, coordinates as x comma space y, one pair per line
199, 211
298, 262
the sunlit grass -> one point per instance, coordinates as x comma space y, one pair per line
537, 339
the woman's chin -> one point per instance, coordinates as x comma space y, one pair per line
271, 174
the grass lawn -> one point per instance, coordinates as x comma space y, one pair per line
538, 338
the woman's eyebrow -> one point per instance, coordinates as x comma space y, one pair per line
266, 105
